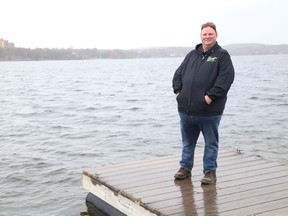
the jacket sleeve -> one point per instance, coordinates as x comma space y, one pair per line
177, 78
224, 79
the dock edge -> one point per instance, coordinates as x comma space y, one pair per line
116, 198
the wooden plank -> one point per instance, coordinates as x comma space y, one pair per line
258, 180
165, 182
211, 196
118, 199
246, 185
158, 194
161, 168
152, 182
275, 212
263, 207
227, 196
134, 166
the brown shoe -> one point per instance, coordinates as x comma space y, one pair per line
182, 174
209, 178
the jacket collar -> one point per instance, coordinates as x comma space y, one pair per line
213, 49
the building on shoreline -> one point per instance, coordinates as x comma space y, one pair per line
6, 44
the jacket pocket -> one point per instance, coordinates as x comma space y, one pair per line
181, 100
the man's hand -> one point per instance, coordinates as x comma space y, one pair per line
208, 99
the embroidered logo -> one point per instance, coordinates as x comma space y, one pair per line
211, 59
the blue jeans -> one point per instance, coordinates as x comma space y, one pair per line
191, 126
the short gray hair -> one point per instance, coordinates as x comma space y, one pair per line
209, 24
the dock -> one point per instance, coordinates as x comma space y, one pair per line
246, 185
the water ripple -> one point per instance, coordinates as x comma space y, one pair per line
57, 120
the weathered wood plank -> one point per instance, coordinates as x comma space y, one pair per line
275, 212
260, 207
134, 166
212, 196
246, 186
155, 195
267, 176
118, 199
153, 182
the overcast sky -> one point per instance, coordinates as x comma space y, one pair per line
127, 24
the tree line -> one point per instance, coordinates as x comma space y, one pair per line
27, 54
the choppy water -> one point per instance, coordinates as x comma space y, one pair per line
59, 117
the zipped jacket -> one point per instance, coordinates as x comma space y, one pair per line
200, 74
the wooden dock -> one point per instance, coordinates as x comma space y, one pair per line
246, 185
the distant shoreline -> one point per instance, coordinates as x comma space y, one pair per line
39, 54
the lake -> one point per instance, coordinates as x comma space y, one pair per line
59, 117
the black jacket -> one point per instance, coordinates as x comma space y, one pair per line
200, 74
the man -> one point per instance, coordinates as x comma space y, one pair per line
201, 84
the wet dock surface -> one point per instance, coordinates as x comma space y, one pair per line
246, 185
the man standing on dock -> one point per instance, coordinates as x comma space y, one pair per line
201, 84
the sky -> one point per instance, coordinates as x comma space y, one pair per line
129, 24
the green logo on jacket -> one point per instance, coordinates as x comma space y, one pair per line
211, 59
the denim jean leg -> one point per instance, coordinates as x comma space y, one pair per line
209, 128
190, 133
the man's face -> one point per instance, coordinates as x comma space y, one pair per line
208, 37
